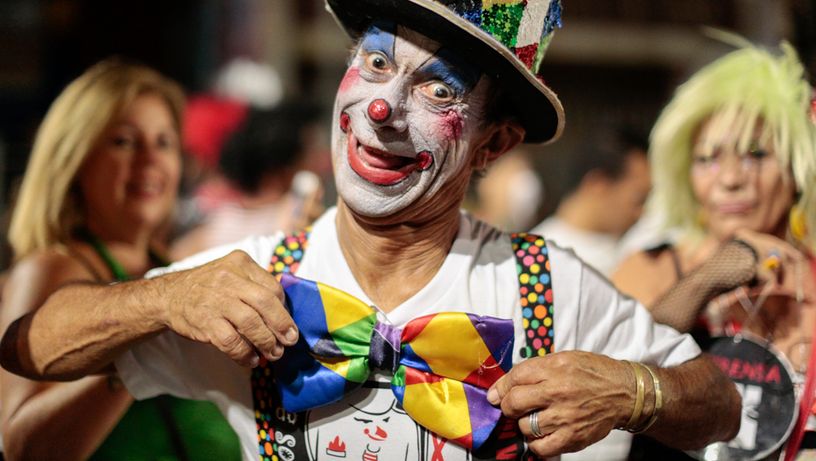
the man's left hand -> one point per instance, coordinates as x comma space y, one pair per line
580, 397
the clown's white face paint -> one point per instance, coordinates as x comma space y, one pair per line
406, 117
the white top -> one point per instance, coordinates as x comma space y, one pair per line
478, 276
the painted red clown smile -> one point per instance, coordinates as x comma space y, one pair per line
380, 167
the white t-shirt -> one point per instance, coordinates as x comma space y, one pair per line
478, 276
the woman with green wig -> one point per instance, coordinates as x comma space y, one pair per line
733, 159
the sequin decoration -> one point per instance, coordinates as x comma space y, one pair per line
502, 22
527, 54
536, 294
469, 9
285, 259
553, 19
525, 27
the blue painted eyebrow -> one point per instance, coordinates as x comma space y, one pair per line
453, 70
380, 36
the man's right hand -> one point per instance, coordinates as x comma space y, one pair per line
231, 303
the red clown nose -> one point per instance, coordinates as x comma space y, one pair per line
379, 110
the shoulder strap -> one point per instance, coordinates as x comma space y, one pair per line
119, 272
535, 292
657, 250
285, 259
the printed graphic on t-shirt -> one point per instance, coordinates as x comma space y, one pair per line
369, 424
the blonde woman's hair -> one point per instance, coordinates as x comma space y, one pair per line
747, 88
47, 211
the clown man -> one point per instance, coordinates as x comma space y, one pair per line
430, 335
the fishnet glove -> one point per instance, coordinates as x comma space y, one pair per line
734, 264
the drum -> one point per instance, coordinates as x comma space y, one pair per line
770, 405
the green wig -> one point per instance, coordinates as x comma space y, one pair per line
747, 88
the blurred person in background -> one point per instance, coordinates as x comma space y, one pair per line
209, 121
510, 192
210, 118
734, 164
607, 184
101, 181
259, 163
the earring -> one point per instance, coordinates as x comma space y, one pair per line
797, 223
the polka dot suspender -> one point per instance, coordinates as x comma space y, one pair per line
535, 291
535, 296
285, 259
288, 253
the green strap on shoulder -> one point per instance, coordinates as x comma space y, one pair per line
118, 271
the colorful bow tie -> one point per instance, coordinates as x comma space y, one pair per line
442, 364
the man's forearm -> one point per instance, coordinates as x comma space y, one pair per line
79, 330
700, 406
231, 303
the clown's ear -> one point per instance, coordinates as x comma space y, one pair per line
499, 138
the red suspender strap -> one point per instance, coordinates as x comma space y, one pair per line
806, 403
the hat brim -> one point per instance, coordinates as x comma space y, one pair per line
537, 107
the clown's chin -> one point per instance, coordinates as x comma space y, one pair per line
368, 201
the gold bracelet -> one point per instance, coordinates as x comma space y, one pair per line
658, 402
637, 412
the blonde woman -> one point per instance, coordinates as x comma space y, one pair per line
733, 160
101, 181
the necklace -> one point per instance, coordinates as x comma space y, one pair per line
119, 272
116, 268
